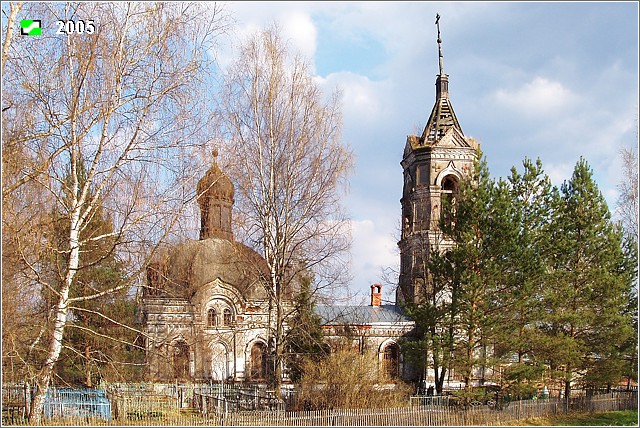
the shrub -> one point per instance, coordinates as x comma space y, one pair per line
348, 379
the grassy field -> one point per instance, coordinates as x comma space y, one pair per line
618, 418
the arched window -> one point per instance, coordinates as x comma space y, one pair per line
227, 317
212, 319
181, 360
258, 361
449, 196
391, 360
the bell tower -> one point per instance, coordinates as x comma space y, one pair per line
434, 164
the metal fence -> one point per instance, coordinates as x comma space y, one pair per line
236, 399
427, 415
15, 399
72, 402
432, 415
58, 403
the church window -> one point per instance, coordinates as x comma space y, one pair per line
204, 215
449, 195
225, 218
215, 215
408, 184
391, 360
227, 317
212, 319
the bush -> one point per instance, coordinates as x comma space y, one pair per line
348, 379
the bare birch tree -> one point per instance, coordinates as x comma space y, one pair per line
108, 120
290, 167
628, 199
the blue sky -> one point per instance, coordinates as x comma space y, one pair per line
548, 80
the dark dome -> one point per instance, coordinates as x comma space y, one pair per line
196, 263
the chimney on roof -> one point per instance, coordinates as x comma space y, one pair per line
376, 295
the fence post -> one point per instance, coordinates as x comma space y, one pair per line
222, 416
27, 400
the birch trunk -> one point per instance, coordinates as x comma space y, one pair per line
43, 379
15, 8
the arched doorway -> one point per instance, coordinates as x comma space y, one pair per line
219, 365
181, 360
391, 360
258, 361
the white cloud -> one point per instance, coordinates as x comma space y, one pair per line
299, 30
558, 172
373, 250
539, 97
362, 98
295, 23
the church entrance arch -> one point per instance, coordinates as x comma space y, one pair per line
258, 361
181, 360
219, 362
391, 360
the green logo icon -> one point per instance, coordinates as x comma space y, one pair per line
29, 27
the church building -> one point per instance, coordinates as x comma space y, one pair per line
205, 308
207, 315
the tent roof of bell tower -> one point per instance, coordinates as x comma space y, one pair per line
442, 121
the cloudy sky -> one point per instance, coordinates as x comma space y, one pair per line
554, 81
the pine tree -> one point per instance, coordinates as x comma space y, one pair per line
526, 204
586, 293
472, 279
304, 339
629, 348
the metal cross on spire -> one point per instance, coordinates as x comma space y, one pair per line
440, 58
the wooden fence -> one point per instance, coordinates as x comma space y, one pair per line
431, 415
150, 410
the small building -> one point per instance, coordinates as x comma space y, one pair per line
375, 328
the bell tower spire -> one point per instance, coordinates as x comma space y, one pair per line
434, 164
440, 57
442, 119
